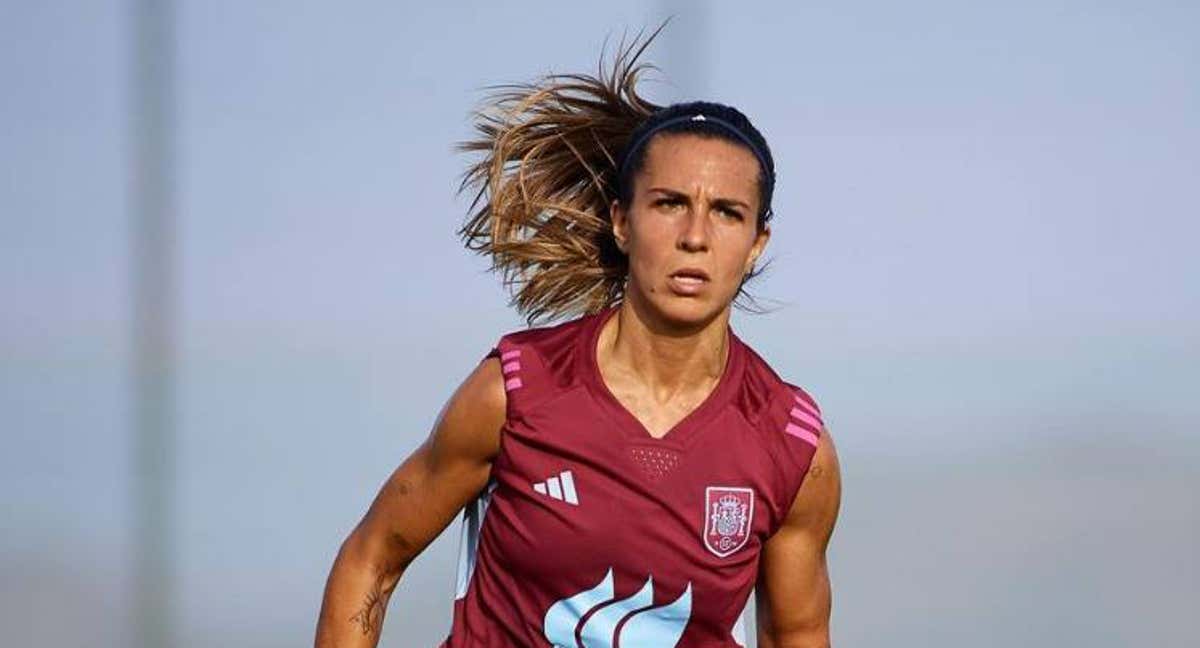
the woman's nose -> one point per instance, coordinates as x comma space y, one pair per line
694, 237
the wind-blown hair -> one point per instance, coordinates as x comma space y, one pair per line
551, 153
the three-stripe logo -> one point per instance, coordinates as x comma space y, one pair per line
560, 487
804, 420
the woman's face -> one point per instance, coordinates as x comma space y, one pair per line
690, 230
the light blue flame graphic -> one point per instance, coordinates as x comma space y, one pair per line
562, 617
660, 626
653, 626
599, 629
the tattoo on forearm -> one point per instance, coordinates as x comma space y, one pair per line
370, 617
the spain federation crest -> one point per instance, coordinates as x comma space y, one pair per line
728, 513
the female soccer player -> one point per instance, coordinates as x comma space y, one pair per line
627, 476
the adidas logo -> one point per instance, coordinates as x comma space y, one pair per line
560, 487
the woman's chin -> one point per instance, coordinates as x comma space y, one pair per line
685, 312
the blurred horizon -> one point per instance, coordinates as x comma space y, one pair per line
983, 255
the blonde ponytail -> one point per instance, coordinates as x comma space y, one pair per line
547, 176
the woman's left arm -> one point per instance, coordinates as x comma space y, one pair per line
793, 595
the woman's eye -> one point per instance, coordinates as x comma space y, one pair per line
669, 202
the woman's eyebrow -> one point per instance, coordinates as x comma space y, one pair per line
670, 192
730, 202
719, 202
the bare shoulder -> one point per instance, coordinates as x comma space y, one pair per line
470, 421
817, 501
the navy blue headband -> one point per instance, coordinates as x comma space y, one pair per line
698, 117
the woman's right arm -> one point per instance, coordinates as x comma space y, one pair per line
416, 503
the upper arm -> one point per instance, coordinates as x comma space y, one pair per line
450, 468
794, 597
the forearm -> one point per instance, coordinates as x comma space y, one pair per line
356, 598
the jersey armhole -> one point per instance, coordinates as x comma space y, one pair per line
528, 382
798, 427
518, 369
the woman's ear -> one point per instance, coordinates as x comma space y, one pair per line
756, 250
620, 225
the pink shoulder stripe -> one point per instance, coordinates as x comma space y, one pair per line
806, 401
801, 415
511, 368
802, 434
804, 419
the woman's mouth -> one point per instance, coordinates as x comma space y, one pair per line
688, 282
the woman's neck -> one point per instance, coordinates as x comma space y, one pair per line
667, 359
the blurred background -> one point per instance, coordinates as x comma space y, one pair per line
233, 300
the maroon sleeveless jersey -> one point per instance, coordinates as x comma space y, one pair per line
593, 533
